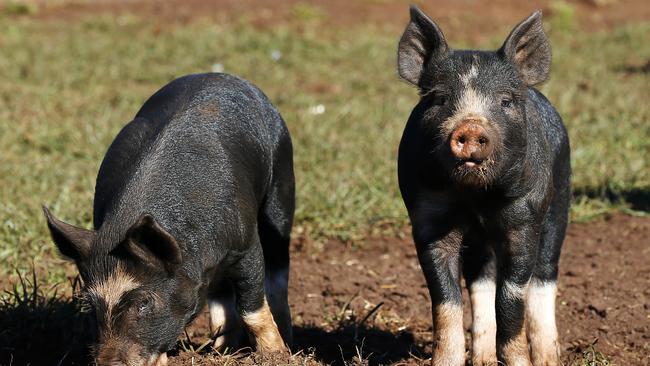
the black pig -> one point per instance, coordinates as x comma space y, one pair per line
484, 172
194, 203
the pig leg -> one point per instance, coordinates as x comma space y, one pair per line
274, 226
541, 327
479, 269
224, 320
439, 256
515, 260
540, 303
251, 301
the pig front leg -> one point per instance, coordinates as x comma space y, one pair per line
479, 269
540, 304
541, 327
516, 262
439, 259
224, 319
252, 304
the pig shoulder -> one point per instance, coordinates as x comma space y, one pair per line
549, 122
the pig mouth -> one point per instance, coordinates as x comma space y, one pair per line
470, 163
473, 172
132, 359
474, 165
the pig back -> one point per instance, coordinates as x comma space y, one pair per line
198, 156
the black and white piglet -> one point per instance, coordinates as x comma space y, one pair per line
484, 172
194, 203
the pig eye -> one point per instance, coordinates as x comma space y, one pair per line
506, 103
144, 306
439, 100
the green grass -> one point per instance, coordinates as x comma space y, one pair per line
66, 88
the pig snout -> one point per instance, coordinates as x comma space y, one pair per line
128, 356
470, 143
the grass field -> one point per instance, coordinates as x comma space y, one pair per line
66, 89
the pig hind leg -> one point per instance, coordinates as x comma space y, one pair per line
274, 224
252, 303
479, 270
540, 302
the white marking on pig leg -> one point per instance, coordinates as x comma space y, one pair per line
484, 324
111, 290
217, 315
449, 337
224, 322
515, 352
542, 330
264, 330
513, 291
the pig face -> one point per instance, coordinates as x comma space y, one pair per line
473, 103
139, 298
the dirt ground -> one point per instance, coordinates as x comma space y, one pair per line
604, 295
465, 19
367, 304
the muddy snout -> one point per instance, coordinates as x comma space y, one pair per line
471, 143
128, 356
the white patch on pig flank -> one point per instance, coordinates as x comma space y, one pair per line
112, 289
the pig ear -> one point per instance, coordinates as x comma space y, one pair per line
73, 242
421, 41
151, 244
528, 48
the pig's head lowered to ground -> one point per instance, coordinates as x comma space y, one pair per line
139, 298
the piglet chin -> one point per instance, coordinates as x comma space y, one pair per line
158, 360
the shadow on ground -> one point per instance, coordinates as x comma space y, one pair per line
637, 199
635, 69
41, 327
351, 345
